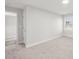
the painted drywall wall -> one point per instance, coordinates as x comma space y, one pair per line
41, 26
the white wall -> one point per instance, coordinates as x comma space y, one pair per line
40, 26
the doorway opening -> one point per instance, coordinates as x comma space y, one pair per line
11, 35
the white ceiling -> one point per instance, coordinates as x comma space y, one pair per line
55, 6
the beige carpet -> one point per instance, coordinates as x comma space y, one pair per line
55, 49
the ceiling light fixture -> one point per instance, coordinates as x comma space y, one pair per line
65, 1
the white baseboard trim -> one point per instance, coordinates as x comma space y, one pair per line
37, 43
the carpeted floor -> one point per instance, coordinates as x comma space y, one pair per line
61, 48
